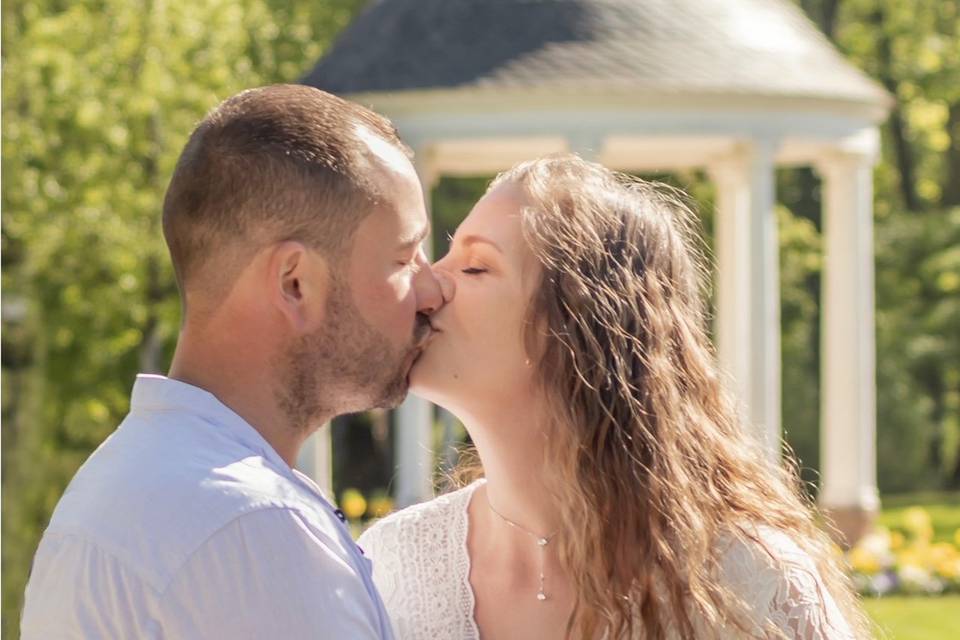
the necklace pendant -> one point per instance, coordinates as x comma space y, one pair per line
541, 596
542, 542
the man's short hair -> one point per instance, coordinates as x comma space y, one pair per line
283, 162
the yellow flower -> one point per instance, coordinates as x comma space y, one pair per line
380, 505
863, 561
353, 503
949, 569
942, 552
917, 522
911, 556
896, 540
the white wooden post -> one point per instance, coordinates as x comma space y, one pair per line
764, 402
848, 386
589, 145
315, 459
414, 418
748, 305
732, 225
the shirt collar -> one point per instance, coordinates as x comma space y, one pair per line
159, 393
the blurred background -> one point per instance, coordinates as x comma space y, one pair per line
99, 97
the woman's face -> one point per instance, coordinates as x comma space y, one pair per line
478, 355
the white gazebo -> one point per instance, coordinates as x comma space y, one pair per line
736, 87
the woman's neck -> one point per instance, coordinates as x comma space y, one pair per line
511, 448
521, 574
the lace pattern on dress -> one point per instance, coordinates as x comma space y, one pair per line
422, 569
783, 584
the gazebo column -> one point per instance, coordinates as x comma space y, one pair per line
414, 418
589, 145
732, 186
748, 286
315, 459
848, 387
414, 452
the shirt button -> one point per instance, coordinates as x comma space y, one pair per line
340, 515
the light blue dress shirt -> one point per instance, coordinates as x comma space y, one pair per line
185, 523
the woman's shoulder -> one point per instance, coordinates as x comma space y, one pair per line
763, 548
436, 515
780, 580
421, 567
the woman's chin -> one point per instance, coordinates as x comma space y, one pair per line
430, 378
421, 374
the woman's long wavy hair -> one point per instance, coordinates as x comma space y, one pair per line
649, 462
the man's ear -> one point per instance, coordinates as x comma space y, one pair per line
299, 283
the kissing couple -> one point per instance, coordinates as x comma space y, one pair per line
617, 492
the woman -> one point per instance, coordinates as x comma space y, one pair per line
622, 497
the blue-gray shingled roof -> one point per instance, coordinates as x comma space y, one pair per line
763, 47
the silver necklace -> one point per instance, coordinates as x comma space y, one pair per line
542, 542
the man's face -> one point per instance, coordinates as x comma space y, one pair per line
375, 321
390, 280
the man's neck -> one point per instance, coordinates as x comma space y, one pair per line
243, 384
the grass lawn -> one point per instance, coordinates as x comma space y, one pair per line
910, 618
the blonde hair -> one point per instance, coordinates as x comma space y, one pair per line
649, 462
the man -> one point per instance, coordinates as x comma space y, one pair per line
294, 221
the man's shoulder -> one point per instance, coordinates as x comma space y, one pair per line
231, 584
151, 499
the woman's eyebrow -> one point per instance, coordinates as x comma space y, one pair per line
473, 239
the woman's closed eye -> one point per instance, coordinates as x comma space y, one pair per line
472, 271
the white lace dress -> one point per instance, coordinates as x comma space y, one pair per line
422, 570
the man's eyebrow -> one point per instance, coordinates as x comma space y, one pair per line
410, 242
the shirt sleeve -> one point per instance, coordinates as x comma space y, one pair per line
268, 574
77, 591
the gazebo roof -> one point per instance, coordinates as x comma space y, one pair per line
660, 47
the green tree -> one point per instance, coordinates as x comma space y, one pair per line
912, 47
99, 96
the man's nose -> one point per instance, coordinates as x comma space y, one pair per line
434, 287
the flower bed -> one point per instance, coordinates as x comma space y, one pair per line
906, 559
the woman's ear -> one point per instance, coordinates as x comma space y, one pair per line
299, 283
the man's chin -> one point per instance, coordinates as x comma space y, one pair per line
412, 378
394, 394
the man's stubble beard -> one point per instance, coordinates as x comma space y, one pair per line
343, 367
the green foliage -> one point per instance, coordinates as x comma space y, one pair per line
918, 342
99, 97
913, 50
800, 267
